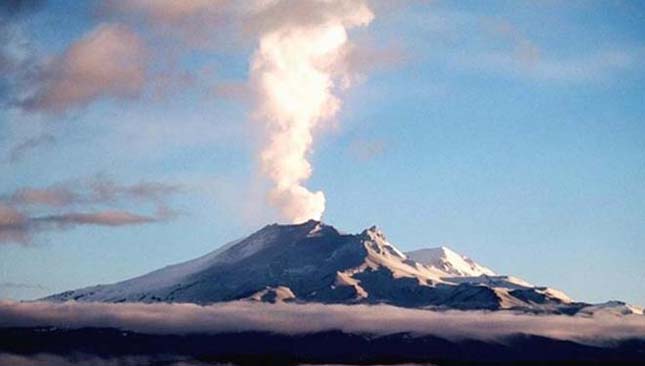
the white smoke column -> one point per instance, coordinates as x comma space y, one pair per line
295, 73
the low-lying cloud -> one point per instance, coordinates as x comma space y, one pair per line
44, 359
294, 319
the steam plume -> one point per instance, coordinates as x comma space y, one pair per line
295, 73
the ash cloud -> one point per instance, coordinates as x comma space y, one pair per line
288, 319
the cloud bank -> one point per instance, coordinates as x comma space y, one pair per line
44, 359
294, 319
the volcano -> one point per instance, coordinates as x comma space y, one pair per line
315, 263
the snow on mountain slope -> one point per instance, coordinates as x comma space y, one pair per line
508, 282
383, 254
611, 308
152, 281
460, 269
314, 262
449, 262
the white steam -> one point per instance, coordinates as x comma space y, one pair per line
295, 72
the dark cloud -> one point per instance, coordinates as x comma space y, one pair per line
287, 319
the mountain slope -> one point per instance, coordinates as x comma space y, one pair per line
449, 262
314, 262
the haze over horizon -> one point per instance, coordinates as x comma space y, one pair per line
139, 134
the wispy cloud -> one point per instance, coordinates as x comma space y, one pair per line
97, 190
101, 218
105, 190
59, 195
287, 319
522, 57
528, 62
18, 227
491, 45
18, 151
21, 217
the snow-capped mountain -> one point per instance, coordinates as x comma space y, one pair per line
448, 261
314, 262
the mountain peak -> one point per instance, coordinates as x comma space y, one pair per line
309, 227
301, 225
374, 232
449, 261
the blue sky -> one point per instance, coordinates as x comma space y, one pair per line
510, 131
